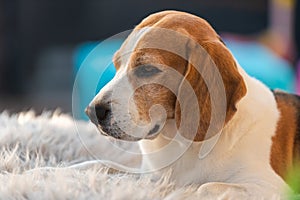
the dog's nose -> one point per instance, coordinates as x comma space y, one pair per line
97, 113
102, 112
91, 113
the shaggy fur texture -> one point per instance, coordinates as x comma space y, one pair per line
36, 152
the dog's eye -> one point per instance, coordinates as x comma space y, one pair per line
146, 71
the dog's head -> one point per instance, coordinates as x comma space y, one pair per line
164, 51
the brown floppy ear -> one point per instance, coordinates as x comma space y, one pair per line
235, 86
217, 84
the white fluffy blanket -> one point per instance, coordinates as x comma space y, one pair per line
41, 156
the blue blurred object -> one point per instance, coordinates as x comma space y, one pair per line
93, 68
92, 63
262, 64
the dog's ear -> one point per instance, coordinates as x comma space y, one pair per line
213, 75
235, 86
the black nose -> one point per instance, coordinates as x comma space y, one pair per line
97, 114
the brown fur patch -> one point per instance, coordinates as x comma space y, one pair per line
151, 93
234, 85
285, 152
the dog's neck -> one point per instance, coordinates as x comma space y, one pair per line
255, 115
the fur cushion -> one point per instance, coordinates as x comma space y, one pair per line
51, 156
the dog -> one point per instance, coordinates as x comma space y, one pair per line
180, 92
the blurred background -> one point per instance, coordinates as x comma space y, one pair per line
43, 43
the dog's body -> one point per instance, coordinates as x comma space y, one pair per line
242, 155
257, 137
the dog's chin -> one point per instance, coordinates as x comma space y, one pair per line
117, 135
154, 132
151, 137
120, 135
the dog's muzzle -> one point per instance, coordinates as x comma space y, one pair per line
101, 116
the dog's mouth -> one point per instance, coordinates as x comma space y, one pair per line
153, 132
117, 133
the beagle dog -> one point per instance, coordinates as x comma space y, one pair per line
180, 92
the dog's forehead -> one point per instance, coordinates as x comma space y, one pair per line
146, 56
164, 42
179, 22
162, 30
142, 55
